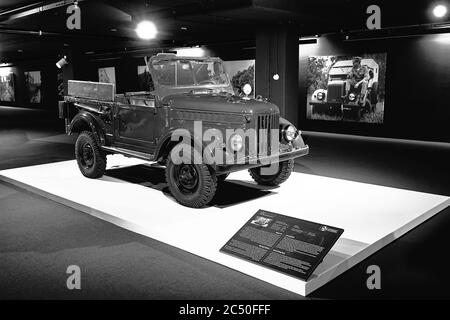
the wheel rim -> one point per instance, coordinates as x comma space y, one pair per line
87, 156
186, 178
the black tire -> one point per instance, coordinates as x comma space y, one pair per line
360, 113
374, 94
192, 185
222, 177
284, 171
90, 158
368, 106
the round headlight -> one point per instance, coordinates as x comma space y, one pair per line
320, 95
289, 133
352, 96
236, 142
247, 89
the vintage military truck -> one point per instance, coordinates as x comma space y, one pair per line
335, 100
187, 98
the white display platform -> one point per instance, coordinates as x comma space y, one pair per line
372, 216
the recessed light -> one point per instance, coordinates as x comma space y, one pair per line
440, 11
184, 28
113, 30
146, 30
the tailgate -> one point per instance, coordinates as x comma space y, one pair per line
91, 90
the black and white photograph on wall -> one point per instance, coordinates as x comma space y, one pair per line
346, 88
145, 82
107, 75
33, 84
7, 93
241, 72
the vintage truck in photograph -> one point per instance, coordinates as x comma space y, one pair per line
336, 101
182, 90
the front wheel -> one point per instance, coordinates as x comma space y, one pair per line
90, 158
284, 171
191, 184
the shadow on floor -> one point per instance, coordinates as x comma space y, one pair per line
229, 192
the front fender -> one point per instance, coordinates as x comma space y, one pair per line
165, 145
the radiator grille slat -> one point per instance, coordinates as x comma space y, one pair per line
335, 92
266, 122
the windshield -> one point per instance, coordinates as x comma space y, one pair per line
339, 73
189, 72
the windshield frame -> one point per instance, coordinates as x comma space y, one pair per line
195, 84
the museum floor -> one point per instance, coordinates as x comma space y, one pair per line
39, 238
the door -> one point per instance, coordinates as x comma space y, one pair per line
134, 123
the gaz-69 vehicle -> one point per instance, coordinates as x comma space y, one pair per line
341, 98
189, 121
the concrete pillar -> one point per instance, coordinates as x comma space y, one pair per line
277, 53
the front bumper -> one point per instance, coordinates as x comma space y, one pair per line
264, 161
334, 107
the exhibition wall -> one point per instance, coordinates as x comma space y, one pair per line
126, 69
38, 83
31, 84
417, 78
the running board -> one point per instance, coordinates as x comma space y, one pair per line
130, 153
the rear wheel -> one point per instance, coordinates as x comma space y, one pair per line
284, 171
374, 94
90, 158
192, 185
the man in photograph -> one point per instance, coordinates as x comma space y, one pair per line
358, 78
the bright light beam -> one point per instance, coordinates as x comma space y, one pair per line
146, 30
440, 11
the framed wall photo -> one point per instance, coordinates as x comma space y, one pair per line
7, 93
346, 88
107, 75
240, 73
33, 84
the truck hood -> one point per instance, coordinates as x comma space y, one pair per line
219, 103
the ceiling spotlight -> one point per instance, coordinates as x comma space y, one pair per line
146, 30
440, 11
62, 62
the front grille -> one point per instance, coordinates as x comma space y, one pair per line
335, 91
264, 125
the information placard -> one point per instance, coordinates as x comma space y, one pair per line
283, 243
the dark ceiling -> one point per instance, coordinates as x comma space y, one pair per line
109, 25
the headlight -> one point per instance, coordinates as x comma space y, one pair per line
320, 95
247, 89
236, 142
351, 97
290, 133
